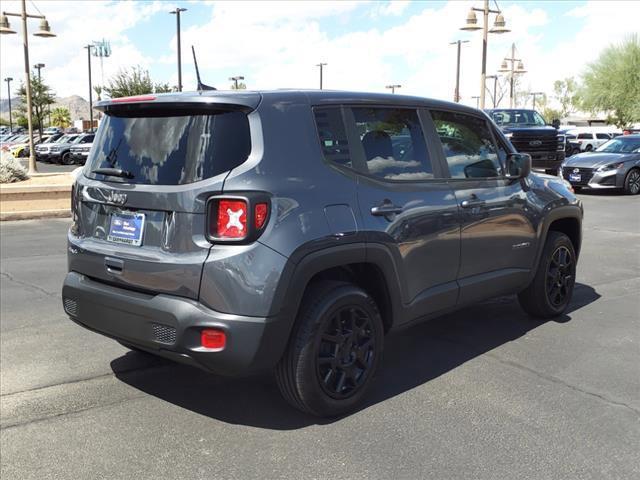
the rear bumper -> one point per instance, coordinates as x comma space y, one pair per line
170, 326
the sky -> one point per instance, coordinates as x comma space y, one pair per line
366, 44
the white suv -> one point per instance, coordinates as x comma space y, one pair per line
591, 140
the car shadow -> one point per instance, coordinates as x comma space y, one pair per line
412, 357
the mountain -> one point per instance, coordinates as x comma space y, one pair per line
78, 106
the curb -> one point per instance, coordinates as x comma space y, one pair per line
34, 214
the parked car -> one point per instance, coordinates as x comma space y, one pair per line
572, 146
615, 164
530, 133
591, 140
51, 130
43, 148
21, 149
79, 153
61, 152
239, 232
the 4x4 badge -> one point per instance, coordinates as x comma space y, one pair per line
535, 143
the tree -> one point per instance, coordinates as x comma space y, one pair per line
566, 92
41, 99
61, 117
134, 81
612, 83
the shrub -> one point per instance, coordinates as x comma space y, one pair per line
10, 169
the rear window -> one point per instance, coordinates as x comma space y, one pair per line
171, 150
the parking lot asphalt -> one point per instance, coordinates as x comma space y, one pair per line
45, 167
485, 393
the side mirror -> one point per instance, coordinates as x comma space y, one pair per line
518, 165
555, 123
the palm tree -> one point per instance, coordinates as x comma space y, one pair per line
60, 117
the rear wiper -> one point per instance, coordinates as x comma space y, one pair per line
113, 172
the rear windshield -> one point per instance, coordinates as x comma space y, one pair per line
171, 150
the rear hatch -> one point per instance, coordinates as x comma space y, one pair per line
139, 205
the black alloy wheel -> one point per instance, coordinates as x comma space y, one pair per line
549, 293
334, 350
560, 276
632, 182
346, 351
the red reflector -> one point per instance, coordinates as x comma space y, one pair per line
139, 98
261, 214
232, 219
214, 339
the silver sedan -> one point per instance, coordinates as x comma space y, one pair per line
615, 164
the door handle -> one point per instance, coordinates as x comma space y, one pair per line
385, 209
472, 203
114, 266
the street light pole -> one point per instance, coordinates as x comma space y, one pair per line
456, 95
236, 79
176, 12
498, 27
513, 71
89, 47
393, 87
45, 31
321, 64
534, 95
477, 98
9, 80
39, 66
495, 88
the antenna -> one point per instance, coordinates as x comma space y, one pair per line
201, 86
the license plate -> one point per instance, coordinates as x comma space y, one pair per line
575, 177
126, 228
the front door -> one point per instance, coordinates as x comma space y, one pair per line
497, 237
406, 205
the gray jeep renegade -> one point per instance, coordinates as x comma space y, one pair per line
293, 230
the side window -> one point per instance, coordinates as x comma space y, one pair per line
393, 143
585, 136
602, 136
467, 144
333, 138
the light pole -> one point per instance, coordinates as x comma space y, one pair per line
477, 98
513, 72
534, 95
495, 88
321, 65
45, 31
236, 79
89, 47
39, 66
393, 87
456, 94
176, 12
9, 80
498, 27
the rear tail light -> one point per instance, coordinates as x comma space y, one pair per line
260, 214
239, 218
213, 339
232, 219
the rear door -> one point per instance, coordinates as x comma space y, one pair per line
406, 205
497, 237
142, 225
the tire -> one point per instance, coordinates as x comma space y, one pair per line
588, 148
632, 182
328, 365
550, 292
577, 189
66, 159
